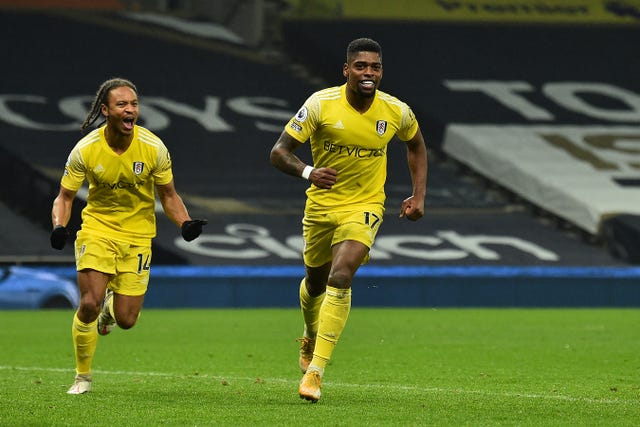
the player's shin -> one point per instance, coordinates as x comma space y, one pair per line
85, 341
310, 307
333, 318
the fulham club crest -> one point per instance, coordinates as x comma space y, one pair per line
381, 127
138, 167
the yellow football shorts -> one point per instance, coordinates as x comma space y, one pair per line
322, 231
129, 265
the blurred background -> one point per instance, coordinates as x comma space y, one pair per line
530, 109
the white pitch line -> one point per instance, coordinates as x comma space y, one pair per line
400, 387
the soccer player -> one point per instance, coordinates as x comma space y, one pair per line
124, 165
349, 127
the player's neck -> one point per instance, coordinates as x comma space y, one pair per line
359, 103
118, 142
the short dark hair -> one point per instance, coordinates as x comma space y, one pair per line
363, 45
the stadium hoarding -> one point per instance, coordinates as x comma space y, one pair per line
610, 12
446, 237
241, 286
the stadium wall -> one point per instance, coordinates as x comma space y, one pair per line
396, 286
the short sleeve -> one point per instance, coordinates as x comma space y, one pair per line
408, 123
305, 122
74, 171
163, 173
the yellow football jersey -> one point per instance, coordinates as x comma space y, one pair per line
352, 143
121, 199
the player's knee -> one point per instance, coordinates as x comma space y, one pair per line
340, 279
88, 309
127, 322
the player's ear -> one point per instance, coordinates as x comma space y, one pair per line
345, 70
104, 110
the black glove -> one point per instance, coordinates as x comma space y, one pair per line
192, 229
59, 237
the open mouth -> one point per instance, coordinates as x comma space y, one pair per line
128, 122
368, 84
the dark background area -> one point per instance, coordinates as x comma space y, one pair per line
226, 176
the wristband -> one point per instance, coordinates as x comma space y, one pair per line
306, 172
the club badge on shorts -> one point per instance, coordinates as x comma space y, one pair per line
381, 127
138, 167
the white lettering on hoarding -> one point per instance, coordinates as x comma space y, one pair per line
568, 95
248, 241
153, 112
505, 93
156, 112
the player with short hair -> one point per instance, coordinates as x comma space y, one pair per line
124, 165
348, 127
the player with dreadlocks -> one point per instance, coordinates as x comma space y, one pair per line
124, 165
101, 98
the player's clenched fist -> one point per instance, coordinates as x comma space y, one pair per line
59, 237
192, 228
412, 208
324, 177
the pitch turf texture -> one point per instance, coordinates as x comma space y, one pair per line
393, 367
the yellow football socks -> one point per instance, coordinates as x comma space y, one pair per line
310, 307
85, 341
333, 317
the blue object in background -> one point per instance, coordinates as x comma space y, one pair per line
242, 286
24, 288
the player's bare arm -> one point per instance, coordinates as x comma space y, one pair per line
62, 204
176, 211
282, 157
413, 207
172, 203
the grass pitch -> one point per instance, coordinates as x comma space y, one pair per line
392, 367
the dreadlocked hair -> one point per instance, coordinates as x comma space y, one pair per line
102, 96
